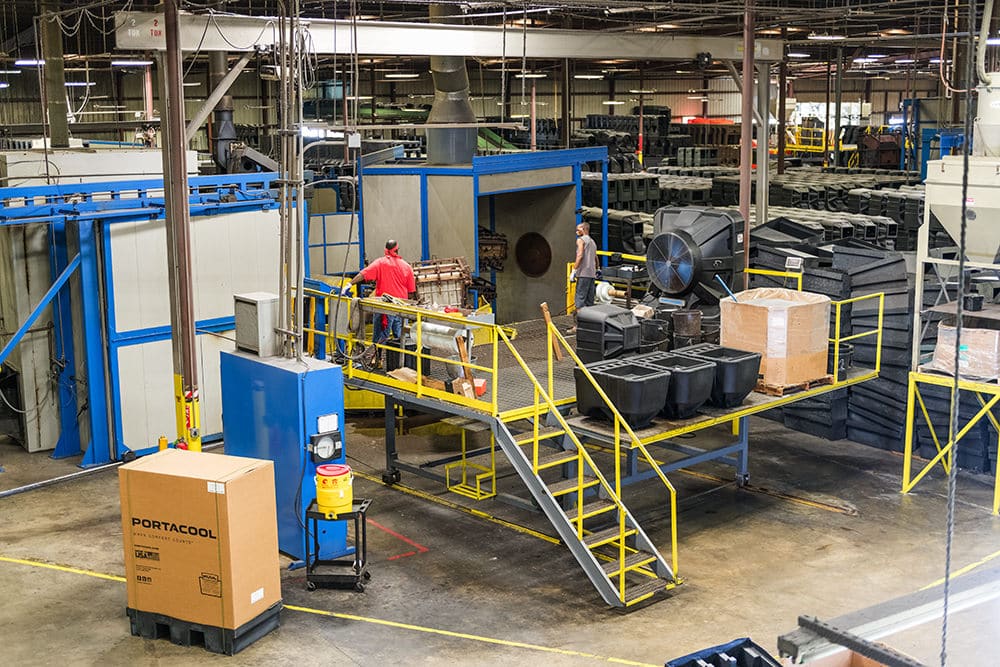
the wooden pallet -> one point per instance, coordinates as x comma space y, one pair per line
783, 389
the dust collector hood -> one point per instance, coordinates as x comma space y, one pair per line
944, 198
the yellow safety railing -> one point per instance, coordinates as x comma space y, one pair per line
356, 347
794, 275
545, 405
620, 425
836, 340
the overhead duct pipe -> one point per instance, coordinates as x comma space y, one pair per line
223, 127
452, 145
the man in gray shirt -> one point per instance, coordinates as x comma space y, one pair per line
584, 269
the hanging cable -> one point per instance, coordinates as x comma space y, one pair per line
955, 411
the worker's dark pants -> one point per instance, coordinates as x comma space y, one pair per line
585, 292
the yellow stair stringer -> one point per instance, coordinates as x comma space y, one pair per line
605, 554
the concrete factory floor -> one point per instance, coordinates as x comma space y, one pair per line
448, 587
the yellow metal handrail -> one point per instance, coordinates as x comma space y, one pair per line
613, 494
633, 439
836, 340
418, 316
795, 275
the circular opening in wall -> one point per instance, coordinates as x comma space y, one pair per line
533, 254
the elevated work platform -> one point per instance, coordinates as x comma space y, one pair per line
527, 407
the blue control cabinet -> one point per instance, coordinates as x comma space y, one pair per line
276, 408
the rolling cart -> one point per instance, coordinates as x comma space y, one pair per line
340, 572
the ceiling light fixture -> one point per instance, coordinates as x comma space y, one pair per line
10, 71
530, 75
131, 63
825, 37
4, 84
79, 84
876, 56
28, 63
993, 41
799, 55
643, 92
612, 103
905, 61
589, 77
402, 75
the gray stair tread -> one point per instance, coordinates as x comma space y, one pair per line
631, 560
548, 456
543, 433
557, 488
634, 591
602, 536
590, 508
467, 424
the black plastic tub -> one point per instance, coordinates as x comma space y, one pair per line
654, 335
636, 390
691, 382
735, 372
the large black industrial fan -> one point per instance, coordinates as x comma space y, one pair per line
690, 247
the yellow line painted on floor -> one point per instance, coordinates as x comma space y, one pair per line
476, 638
965, 570
31, 562
61, 568
461, 508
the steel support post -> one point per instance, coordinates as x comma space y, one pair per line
69, 431
746, 125
763, 156
178, 224
100, 449
566, 101
54, 77
782, 111
838, 101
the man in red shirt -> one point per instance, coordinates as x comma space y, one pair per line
393, 276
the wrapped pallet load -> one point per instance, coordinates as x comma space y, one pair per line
788, 328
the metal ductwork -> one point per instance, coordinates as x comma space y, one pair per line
451, 102
223, 127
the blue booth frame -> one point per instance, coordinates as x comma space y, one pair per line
93, 207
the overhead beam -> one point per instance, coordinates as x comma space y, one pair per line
144, 31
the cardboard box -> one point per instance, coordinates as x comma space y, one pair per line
980, 353
201, 536
790, 329
844, 658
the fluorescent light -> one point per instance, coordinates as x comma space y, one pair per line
191, 84
876, 56
360, 98
402, 75
824, 37
905, 61
131, 63
698, 97
612, 103
4, 84
530, 75
79, 84
937, 61
589, 77
993, 41
643, 92
28, 63
10, 71
799, 55
863, 60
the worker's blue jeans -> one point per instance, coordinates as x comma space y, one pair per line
392, 328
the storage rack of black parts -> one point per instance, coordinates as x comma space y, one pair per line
872, 412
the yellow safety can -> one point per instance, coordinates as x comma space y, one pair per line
334, 488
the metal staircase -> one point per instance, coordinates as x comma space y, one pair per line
584, 507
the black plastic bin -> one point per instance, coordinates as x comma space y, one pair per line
605, 331
638, 391
735, 372
845, 361
654, 335
691, 382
